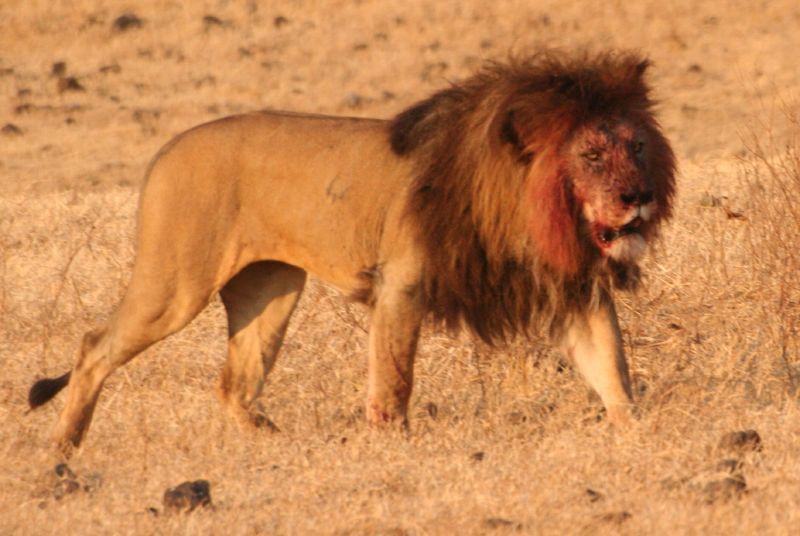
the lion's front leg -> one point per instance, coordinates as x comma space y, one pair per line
593, 340
393, 335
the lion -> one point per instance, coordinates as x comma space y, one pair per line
514, 203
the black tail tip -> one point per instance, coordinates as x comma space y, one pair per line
44, 390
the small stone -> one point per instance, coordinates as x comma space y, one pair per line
615, 518
432, 409
477, 456
59, 69
517, 417
279, 21
501, 523
742, 441
734, 214
730, 487
69, 83
127, 21
187, 496
10, 129
593, 495
111, 69
212, 21
65, 487
62, 470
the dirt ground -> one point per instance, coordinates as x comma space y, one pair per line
507, 442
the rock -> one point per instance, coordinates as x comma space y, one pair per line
615, 518
477, 456
730, 487
432, 410
734, 214
112, 68
10, 129
212, 21
187, 496
69, 83
517, 417
62, 470
127, 21
64, 481
494, 523
593, 495
65, 487
59, 69
742, 441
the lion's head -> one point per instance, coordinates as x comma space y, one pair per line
537, 181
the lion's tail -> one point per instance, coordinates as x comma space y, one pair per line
45, 389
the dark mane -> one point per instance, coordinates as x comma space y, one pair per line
504, 250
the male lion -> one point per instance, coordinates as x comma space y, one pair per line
513, 202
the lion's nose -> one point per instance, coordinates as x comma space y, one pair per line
636, 197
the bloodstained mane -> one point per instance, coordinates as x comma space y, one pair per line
505, 250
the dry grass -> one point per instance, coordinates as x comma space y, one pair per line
712, 339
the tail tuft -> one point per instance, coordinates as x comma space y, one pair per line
43, 390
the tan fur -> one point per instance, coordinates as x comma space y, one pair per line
472, 205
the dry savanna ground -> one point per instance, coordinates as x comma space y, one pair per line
503, 441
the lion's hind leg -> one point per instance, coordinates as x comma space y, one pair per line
259, 301
148, 313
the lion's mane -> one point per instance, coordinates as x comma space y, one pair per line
491, 201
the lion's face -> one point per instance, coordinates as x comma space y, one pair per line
608, 169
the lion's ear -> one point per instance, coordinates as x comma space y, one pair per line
642, 67
510, 134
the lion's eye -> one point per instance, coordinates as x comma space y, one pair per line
638, 147
592, 156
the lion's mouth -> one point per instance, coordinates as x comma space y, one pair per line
607, 235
